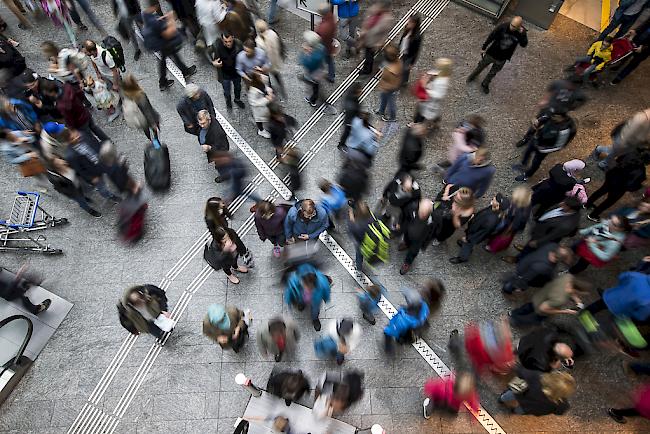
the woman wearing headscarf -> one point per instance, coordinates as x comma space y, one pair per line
562, 178
226, 326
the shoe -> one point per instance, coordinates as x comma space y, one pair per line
239, 103
342, 147
313, 104
470, 78
385, 119
518, 167
509, 259
219, 179
457, 260
485, 89
425, 413
521, 178
136, 55
164, 85
453, 334
435, 242
593, 218
316, 324
521, 143
116, 114
277, 251
43, 306
370, 319
616, 417
404, 269
94, 213
82, 27
278, 357
518, 247
264, 133
189, 72
229, 106
200, 44
331, 80
233, 279
615, 81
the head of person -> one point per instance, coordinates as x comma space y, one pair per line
464, 198
644, 206
216, 210
153, 6
324, 9
522, 196
561, 352
391, 53
50, 50
204, 119
464, 385
406, 182
307, 210
292, 385
481, 156
361, 210
373, 291
277, 328
443, 66
29, 79
221, 237
499, 203
90, 48
476, 120
228, 39
50, 89
308, 281
256, 80
192, 91
266, 209
340, 398
558, 386
261, 26
413, 24
131, 87
324, 185
573, 167
607, 42
249, 48
137, 298
425, 208
218, 316
516, 23
312, 40
561, 254
432, 292
108, 153
618, 223
571, 204
419, 129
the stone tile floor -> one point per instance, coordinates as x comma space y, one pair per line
190, 386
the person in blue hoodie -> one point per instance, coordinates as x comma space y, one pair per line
307, 285
305, 221
348, 12
631, 298
333, 200
312, 59
473, 170
401, 327
17, 115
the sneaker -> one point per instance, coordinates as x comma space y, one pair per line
435, 242
189, 72
278, 357
219, 179
164, 85
470, 79
457, 260
136, 55
94, 213
116, 114
425, 413
521, 143
404, 269
485, 89
276, 251
264, 133
316, 324
43, 306
313, 104
593, 218
331, 80
370, 319
617, 418
615, 81
82, 27
521, 178
239, 103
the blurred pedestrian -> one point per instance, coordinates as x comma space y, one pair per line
398, 195
16, 287
259, 97
374, 32
432, 89
389, 84
409, 46
600, 243
452, 210
348, 22
449, 393
276, 337
474, 171
279, 126
467, 138
127, 13
188, 108
224, 251
404, 325
352, 109
514, 222
210, 13
412, 147
537, 393
312, 59
307, 285
138, 111
269, 221
641, 407
369, 298
227, 326
326, 29
268, 40
288, 385
625, 15
342, 337
537, 268
359, 219
545, 349
418, 230
639, 218
561, 180
140, 307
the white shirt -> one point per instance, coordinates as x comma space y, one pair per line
105, 67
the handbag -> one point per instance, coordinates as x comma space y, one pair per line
248, 259
32, 167
518, 385
212, 256
500, 242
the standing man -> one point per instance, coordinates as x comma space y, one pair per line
498, 48
624, 17
225, 52
326, 29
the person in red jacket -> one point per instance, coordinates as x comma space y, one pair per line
450, 393
641, 406
327, 32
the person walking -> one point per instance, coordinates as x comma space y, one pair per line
641, 40
641, 407
359, 219
342, 336
348, 14
127, 13
628, 175
326, 29
210, 13
389, 84
409, 46
312, 59
216, 215
624, 17
630, 135
629, 299
374, 32
227, 326
224, 251
412, 147
277, 336
498, 49
454, 208
351, 110
449, 393
251, 59
467, 138
306, 220
418, 226
268, 40
600, 243
307, 285
561, 181
161, 35
225, 60
537, 268
140, 307
138, 111
369, 298
398, 194
546, 349
514, 222
430, 91
279, 126
639, 218
85, 6
213, 139
188, 108
544, 393
259, 97
269, 221
474, 171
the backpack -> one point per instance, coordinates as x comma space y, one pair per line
116, 51
133, 115
124, 320
374, 245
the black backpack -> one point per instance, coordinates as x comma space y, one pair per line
116, 51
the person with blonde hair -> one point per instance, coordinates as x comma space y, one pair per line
436, 86
455, 209
516, 218
539, 393
268, 40
139, 114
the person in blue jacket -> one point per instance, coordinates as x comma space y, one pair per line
333, 200
348, 12
308, 286
408, 318
17, 115
312, 59
473, 170
305, 221
631, 298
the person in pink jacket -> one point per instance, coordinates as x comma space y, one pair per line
450, 393
641, 406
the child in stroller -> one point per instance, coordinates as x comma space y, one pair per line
601, 55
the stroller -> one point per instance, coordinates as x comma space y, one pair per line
621, 49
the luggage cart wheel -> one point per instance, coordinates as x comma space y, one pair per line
54, 251
61, 221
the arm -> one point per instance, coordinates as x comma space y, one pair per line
605, 250
454, 167
523, 38
288, 224
324, 223
491, 37
547, 309
484, 185
260, 229
150, 114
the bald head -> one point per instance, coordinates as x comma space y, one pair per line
562, 350
516, 22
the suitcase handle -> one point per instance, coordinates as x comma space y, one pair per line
154, 140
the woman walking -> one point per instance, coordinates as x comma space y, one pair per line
409, 46
561, 180
259, 97
600, 243
224, 251
139, 114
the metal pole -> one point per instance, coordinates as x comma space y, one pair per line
312, 22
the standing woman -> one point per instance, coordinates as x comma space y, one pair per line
269, 221
389, 84
409, 46
552, 190
515, 220
455, 208
436, 85
224, 250
268, 40
216, 215
138, 111
259, 97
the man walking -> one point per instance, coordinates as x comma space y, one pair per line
226, 51
498, 48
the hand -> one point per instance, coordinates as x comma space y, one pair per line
646, 259
590, 240
222, 339
304, 237
115, 87
638, 49
570, 311
95, 180
218, 63
35, 101
206, 148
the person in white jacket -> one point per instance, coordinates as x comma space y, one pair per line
210, 13
268, 40
259, 97
429, 109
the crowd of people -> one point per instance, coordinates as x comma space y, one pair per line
48, 130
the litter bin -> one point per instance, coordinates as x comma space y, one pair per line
539, 12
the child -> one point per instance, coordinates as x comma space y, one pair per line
450, 393
598, 55
368, 299
333, 201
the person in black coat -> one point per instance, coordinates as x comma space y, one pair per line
418, 229
553, 225
279, 126
481, 227
412, 148
554, 188
543, 393
641, 40
545, 349
409, 46
223, 252
354, 179
398, 194
212, 139
224, 58
11, 60
498, 48
195, 100
44, 105
627, 175
537, 268
352, 109
126, 17
288, 385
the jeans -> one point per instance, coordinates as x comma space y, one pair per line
331, 72
406, 72
315, 91
623, 23
497, 65
358, 259
538, 157
509, 397
526, 315
101, 188
273, 10
597, 306
348, 31
226, 84
388, 100
91, 128
314, 310
162, 64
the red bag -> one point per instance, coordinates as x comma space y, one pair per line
584, 252
500, 242
419, 91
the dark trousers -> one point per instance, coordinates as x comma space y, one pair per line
538, 157
369, 59
346, 133
91, 128
597, 306
637, 59
640, 368
614, 194
278, 240
155, 330
280, 83
497, 65
315, 90
162, 65
623, 23
625, 412
526, 315
579, 266
466, 250
227, 84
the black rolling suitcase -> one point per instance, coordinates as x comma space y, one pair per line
157, 170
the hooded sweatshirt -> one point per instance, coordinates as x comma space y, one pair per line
295, 225
466, 174
631, 298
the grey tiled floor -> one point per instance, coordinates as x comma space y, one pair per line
190, 387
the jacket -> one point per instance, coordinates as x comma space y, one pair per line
375, 29
326, 29
130, 318
466, 139
236, 318
397, 197
553, 189
209, 12
391, 78
554, 229
228, 58
84, 160
607, 244
150, 114
599, 54
482, 226
533, 401
631, 297
362, 138
48, 111
411, 151
502, 42
313, 62
265, 341
346, 8
554, 135
351, 107
535, 349
25, 110
269, 41
465, 174
436, 91
640, 222
294, 225
635, 131
10, 58
626, 175
403, 321
216, 138
417, 232
441, 390
354, 177
188, 109
334, 200
410, 56
273, 226
622, 6
535, 269
259, 104
293, 292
